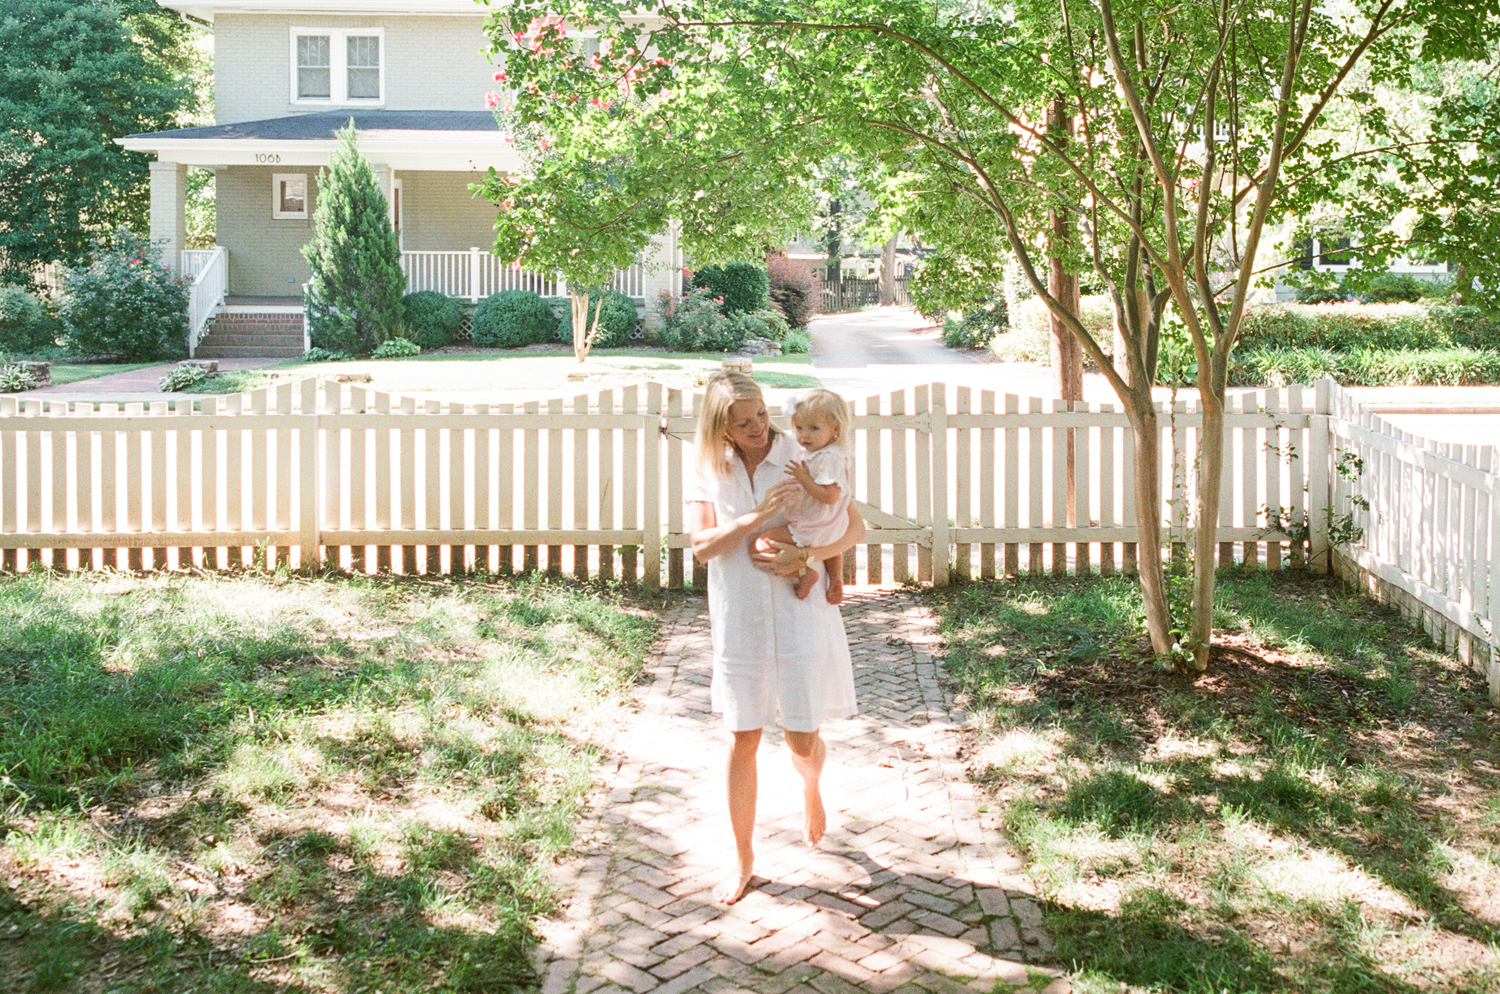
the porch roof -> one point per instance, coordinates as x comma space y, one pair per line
448, 140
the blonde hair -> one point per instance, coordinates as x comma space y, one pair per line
714, 451
831, 406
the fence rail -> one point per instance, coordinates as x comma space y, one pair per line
952, 482
837, 296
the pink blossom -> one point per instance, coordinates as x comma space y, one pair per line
492, 100
515, 265
500, 76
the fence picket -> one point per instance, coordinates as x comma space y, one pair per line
1062, 511
581, 487
1107, 490
675, 509
630, 515
505, 486
1034, 487
606, 485
432, 486
900, 561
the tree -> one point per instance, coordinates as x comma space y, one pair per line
354, 296
73, 77
1193, 125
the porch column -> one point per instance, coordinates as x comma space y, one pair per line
169, 212
383, 177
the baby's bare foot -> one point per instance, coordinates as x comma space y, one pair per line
805, 584
732, 887
835, 593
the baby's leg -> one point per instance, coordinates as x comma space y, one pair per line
834, 567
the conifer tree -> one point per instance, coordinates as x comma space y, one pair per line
354, 297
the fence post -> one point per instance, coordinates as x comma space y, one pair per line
474, 274
651, 439
1493, 672
1320, 476
938, 434
309, 477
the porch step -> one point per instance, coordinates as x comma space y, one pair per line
239, 335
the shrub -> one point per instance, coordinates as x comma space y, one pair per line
125, 304
354, 296
14, 379
512, 318
316, 354
1343, 326
617, 323
743, 285
1468, 327
182, 377
979, 325
25, 324
947, 282
1387, 288
790, 287
689, 322
751, 326
1366, 366
396, 348
432, 320
1313, 287
1034, 322
796, 342
776, 324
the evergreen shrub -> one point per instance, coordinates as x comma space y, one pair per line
354, 297
512, 318
125, 304
25, 323
743, 286
617, 322
432, 319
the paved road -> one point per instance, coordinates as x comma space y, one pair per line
913, 888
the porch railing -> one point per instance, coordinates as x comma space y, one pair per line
475, 274
209, 269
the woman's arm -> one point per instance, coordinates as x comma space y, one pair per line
711, 539
785, 559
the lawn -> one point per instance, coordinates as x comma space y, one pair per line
264, 782
72, 372
535, 371
1317, 814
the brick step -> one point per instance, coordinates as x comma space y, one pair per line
207, 351
246, 338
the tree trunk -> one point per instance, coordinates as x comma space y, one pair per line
584, 333
1143, 421
1206, 528
888, 273
1067, 354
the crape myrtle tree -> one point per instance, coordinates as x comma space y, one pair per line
354, 296
1186, 127
587, 205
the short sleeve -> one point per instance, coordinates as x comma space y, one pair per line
827, 466
695, 489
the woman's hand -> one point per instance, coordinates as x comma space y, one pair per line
779, 558
778, 498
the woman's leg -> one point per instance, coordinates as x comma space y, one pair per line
808, 754
742, 783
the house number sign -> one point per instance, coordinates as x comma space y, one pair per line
269, 157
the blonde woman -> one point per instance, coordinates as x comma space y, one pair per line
772, 652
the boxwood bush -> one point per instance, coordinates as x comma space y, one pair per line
616, 324
432, 319
513, 318
743, 285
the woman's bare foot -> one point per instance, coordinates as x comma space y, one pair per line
732, 887
815, 820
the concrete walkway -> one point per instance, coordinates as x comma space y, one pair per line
910, 890
143, 385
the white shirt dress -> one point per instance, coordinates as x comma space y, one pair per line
771, 651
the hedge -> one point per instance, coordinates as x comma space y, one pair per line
512, 318
432, 320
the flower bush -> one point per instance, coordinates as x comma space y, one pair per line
695, 322
126, 304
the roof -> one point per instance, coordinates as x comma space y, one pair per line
403, 139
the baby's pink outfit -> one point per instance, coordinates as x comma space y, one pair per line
812, 522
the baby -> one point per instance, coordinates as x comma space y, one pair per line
821, 421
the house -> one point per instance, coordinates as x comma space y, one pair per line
288, 74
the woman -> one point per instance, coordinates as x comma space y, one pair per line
771, 650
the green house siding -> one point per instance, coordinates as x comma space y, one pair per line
439, 214
265, 253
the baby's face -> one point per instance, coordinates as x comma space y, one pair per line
814, 430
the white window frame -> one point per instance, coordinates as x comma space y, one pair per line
338, 66
276, 211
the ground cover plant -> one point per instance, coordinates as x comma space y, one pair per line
1318, 814
267, 782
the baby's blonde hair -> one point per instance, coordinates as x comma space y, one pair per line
831, 406
713, 449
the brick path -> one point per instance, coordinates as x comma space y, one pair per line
908, 892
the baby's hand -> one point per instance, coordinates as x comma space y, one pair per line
799, 472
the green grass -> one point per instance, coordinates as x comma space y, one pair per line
269, 782
529, 371
1320, 821
74, 372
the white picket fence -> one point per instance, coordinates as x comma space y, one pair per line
475, 274
209, 271
952, 482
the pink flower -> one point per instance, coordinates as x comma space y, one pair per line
492, 100
515, 266
500, 76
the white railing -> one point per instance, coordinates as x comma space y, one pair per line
209, 269
475, 274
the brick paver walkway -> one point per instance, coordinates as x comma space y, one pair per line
908, 891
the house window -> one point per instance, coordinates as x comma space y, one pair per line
338, 65
289, 195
